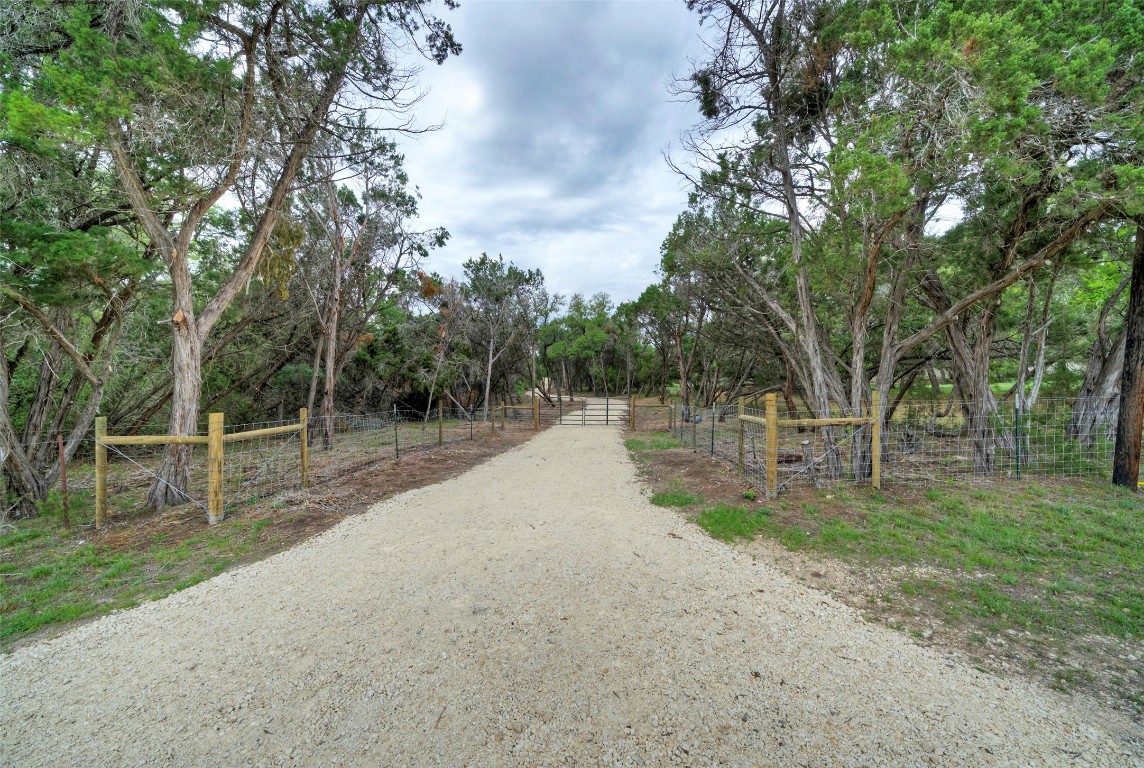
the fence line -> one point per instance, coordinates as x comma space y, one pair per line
247, 462
215, 440
918, 442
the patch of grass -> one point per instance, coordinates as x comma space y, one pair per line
729, 523
51, 575
674, 498
656, 441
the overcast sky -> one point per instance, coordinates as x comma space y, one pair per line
556, 117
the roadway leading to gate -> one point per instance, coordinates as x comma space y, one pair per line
536, 610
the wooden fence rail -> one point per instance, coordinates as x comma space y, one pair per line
771, 424
215, 440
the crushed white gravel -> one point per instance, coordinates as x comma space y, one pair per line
537, 610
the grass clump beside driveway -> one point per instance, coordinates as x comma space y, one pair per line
674, 498
49, 575
656, 441
729, 523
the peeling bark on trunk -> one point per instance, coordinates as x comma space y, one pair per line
174, 471
332, 330
1096, 402
1126, 457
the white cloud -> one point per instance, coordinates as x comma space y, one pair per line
556, 116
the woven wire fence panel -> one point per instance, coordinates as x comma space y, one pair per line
922, 442
347, 443
257, 467
133, 469
926, 442
652, 418
514, 416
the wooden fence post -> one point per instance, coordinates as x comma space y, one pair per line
64, 480
535, 412
215, 511
100, 472
876, 439
440, 424
742, 435
772, 418
502, 402
304, 437
631, 412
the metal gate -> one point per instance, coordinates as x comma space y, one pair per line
594, 411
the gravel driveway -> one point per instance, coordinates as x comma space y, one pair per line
534, 611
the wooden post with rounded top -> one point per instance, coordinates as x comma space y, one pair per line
742, 435
304, 439
100, 472
876, 439
215, 510
772, 418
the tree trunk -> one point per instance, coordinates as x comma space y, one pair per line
1099, 393
489, 376
1126, 458
313, 393
186, 358
24, 482
331, 329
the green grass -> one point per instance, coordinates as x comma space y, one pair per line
1029, 556
656, 441
49, 575
674, 498
730, 523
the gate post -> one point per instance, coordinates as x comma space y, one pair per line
772, 445
535, 412
742, 436
100, 472
304, 438
875, 439
215, 511
440, 425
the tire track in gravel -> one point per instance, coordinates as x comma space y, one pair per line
536, 610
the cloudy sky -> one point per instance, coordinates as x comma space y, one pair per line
556, 117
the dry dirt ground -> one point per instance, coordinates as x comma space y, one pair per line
536, 610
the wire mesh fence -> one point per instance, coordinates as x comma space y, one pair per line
262, 459
921, 442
